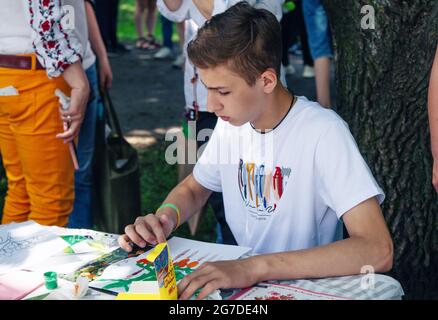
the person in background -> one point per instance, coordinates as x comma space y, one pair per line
292, 27
168, 49
433, 118
178, 63
318, 33
150, 6
107, 16
82, 215
38, 56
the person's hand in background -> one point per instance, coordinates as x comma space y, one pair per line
76, 78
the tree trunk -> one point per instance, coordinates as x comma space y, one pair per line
382, 77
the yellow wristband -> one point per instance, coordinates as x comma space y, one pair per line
178, 215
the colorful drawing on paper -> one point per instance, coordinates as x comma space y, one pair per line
270, 291
187, 256
95, 268
184, 264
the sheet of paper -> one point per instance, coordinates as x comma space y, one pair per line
86, 241
187, 256
269, 291
81, 247
25, 244
17, 284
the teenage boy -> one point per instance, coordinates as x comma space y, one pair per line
288, 186
196, 13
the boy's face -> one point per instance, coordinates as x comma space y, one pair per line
231, 98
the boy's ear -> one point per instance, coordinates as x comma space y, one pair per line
269, 80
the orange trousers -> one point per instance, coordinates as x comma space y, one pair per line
38, 166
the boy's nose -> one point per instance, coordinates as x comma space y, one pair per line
213, 105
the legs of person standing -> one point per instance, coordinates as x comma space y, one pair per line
113, 7
320, 47
103, 17
38, 166
139, 22
308, 71
167, 31
82, 217
148, 42
151, 17
107, 16
289, 35
167, 27
179, 61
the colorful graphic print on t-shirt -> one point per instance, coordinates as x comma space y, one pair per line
261, 187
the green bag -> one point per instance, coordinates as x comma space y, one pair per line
117, 174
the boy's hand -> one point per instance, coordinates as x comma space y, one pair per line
218, 275
151, 229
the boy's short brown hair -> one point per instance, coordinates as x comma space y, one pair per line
247, 39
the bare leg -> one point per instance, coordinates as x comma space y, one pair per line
180, 27
138, 18
151, 17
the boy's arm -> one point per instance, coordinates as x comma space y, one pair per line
188, 196
369, 244
433, 118
105, 73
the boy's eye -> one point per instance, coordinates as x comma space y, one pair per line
224, 93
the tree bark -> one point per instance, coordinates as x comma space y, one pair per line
382, 78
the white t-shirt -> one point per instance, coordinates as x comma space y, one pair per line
287, 189
189, 11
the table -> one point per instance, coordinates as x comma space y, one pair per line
363, 286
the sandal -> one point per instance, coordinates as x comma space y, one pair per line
150, 43
140, 42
